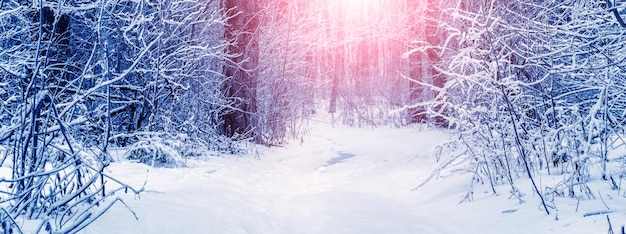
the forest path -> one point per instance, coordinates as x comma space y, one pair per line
335, 180
346, 180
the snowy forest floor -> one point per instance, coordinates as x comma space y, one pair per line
337, 180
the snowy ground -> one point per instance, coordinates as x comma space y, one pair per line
336, 180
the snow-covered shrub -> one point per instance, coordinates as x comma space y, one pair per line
533, 96
171, 150
158, 152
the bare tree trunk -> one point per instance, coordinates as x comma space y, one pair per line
334, 90
242, 75
418, 63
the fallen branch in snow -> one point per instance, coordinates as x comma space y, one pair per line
601, 212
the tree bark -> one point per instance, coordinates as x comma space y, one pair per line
240, 88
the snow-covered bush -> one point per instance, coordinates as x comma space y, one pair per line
158, 152
171, 150
533, 91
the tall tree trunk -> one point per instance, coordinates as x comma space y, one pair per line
418, 63
423, 63
242, 75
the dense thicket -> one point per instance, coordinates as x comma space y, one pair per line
79, 76
533, 88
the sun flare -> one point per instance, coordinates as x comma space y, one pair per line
361, 8
360, 4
